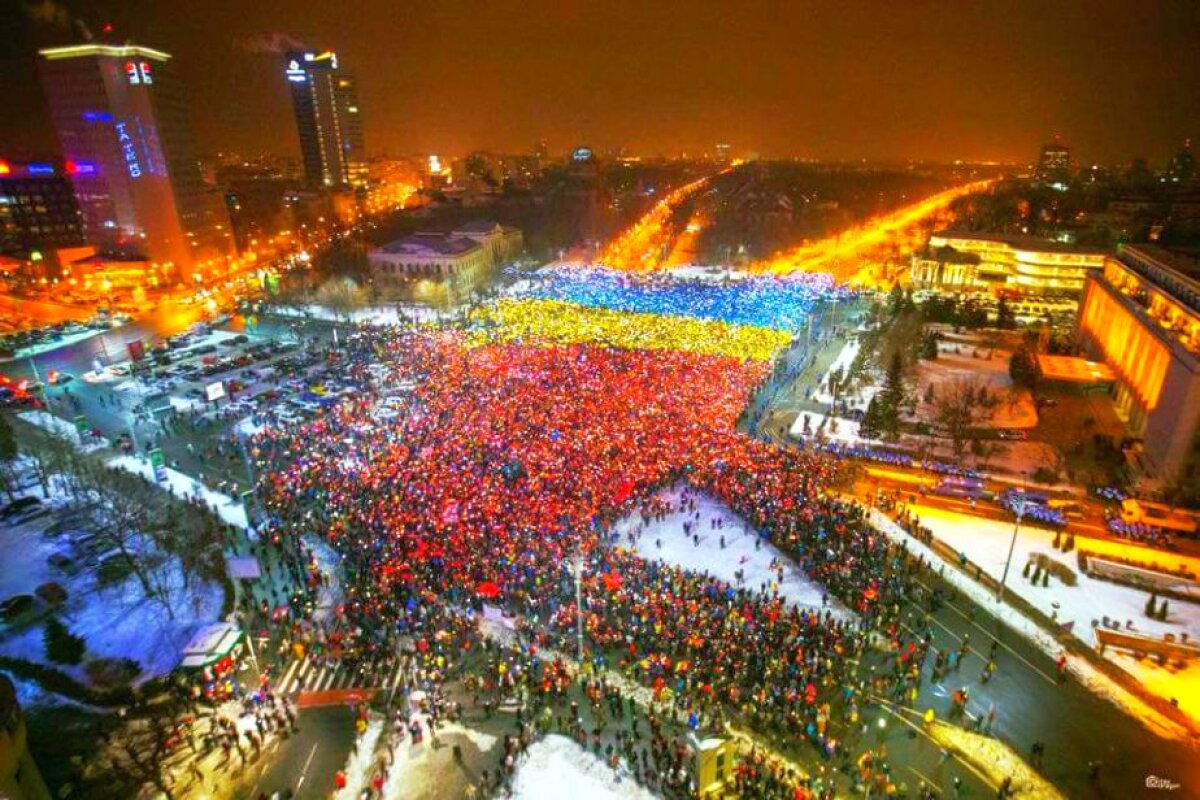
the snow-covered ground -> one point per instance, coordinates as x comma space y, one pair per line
61, 427
843, 361
986, 543
1079, 667
557, 767
418, 770
115, 622
230, 510
678, 549
359, 767
835, 428
375, 315
968, 361
1168, 682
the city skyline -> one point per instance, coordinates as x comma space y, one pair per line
854, 81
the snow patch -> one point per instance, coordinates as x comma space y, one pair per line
1095, 680
557, 767
678, 549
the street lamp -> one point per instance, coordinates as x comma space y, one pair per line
1019, 509
579, 608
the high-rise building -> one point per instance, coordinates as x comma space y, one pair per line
721, 152
38, 212
122, 119
1054, 164
325, 98
1182, 168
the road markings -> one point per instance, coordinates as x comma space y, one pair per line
886, 705
307, 763
929, 782
984, 630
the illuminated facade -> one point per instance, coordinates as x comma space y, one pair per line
122, 119
994, 261
325, 99
38, 212
1054, 164
1141, 315
19, 775
465, 255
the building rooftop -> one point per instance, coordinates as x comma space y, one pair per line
92, 49
430, 245
1185, 264
1021, 242
1070, 369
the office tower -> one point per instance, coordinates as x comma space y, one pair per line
1054, 164
1182, 167
325, 98
38, 212
722, 153
121, 116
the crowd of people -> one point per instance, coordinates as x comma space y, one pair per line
531, 321
507, 463
785, 302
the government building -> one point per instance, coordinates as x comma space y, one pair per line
1141, 315
989, 261
462, 256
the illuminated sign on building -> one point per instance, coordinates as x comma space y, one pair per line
435, 164
80, 168
138, 73
295, 72
128, 150
40, 169
582, 154
97, 116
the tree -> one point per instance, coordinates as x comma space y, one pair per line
870, 427
1023, 367
957, 408
892, 398
62, 646
1151, 604
8, 454
342, 296
1005, 318
1162, 611
929, 347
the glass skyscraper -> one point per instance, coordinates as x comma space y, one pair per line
325, 98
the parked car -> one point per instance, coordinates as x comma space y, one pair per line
19, 506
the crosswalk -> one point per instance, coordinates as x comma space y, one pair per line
302, 675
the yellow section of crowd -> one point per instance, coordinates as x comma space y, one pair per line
533, 321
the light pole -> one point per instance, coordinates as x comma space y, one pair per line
1019, 508
579, 608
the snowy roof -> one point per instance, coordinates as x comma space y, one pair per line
211, 643
430, 245
1071, 369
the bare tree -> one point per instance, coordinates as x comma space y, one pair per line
342, 296
957, 408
